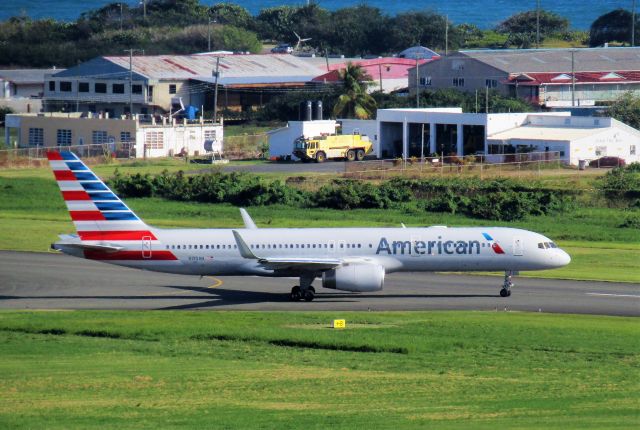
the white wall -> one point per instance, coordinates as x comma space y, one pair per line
617, 141
364, 127
191, 138
281, 140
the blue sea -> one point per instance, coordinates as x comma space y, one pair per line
483, 13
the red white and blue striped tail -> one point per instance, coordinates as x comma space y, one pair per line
107, 228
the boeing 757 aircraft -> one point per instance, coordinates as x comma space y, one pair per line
349, 259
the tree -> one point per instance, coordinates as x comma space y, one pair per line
614, 26
354, 102
232, 14
276, 23
626, 109
423, 28
523, 26
360, 30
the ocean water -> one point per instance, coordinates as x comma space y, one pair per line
483, 13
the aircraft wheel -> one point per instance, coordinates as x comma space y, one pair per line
505, 293
296, 294
360, 155
309, 295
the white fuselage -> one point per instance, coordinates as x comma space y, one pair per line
215, 251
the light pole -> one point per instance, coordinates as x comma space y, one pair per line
209, 33
215, 94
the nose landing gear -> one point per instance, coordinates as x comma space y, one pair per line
506, 286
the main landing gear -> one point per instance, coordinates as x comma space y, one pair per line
305, 291
506, 286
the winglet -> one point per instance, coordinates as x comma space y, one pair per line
248, 222
244, 249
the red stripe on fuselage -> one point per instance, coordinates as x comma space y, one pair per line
86, 216
130, 255
75, 195
64, 175
116, 235
497, 249
54, 155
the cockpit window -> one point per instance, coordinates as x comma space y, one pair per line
541, 245
553, 245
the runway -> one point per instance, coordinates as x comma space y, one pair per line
56, 281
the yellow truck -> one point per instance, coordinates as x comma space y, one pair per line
348, 146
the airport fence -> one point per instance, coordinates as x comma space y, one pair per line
36, 156
525, 164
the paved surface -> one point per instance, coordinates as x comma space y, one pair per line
55, 281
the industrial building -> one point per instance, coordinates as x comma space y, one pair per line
544, 77
138, 137
158, 84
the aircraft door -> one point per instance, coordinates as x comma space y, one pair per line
518, 246
146, 247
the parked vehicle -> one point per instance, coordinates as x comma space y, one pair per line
283, 48
348, 146
608, 162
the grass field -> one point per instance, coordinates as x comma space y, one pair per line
600, 249
289, 370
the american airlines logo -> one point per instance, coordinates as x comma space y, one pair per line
435, 247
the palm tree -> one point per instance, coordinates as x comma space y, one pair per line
355, 102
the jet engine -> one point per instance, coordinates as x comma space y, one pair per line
355, 277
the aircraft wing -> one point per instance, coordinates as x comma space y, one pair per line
291, 263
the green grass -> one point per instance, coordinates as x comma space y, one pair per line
600, 249
289, 370
250, 129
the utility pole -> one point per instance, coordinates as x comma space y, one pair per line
131, 51
215, 93
633, 23
446, 35
380, 74
537, 24
121, 16
417, 82
573, 79
486, 100
144, 9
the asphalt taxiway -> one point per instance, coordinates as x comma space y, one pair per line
54, 281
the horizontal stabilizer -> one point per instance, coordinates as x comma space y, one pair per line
87, 247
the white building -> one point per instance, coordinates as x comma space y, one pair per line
139, 137
22, 89
447, 131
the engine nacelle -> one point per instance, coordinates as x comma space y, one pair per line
355, 277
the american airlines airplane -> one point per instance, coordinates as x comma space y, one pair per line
348, 259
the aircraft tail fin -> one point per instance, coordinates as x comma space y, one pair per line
96, 211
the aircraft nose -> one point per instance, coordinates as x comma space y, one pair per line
561, 258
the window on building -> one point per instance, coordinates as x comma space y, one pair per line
209, 135
36, 137
117, 88
65, 86
63, 137
98, 137
458, 82
632, 150
125, 140
172, 89
100, 88
490, 83
136, 89
83, 87
150, 96
52, 85
154, 139
425, 81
